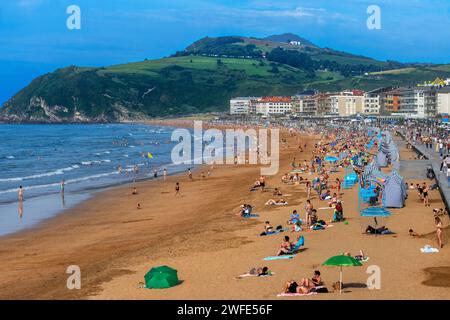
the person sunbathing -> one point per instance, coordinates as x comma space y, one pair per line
285, 247
285, 178
316, 279
272, 202
256, 272
277, 192
304, 287
326, 195
268, 228
380, 230
359, 256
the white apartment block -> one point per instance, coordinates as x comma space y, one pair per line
347, 103
241, 105
443, 101
274, 106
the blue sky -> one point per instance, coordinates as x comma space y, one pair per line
34, 38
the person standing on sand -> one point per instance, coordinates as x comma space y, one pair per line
426, 199
439, 225
20, 192
177, 189
190, 174
164, 174
309, 208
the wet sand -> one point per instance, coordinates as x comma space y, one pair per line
199, 234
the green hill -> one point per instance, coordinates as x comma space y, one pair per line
202, 78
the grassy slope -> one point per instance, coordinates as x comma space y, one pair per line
192, 84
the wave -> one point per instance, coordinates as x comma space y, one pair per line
42, 175
57, 184
88, 163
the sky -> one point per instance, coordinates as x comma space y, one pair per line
35, 39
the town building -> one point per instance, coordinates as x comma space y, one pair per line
241, 105
443, 101
274, 106
347, 103
374, 101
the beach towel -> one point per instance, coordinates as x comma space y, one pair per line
283, 257
247, 216
296, 294
246, 275
274, 232
428, 249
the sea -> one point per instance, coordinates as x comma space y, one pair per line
88, 158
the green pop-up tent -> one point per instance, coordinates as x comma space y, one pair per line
342, 261
161, 278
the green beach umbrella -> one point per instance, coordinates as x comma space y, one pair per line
161, 278
342, 261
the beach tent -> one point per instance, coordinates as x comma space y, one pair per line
394, 193
382, 159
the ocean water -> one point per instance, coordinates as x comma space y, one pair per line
87, 157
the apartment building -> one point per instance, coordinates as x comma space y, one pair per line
374, 101
443, 101
391, 101
347, 103
274, 106
241, 105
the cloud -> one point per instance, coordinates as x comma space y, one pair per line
29, 3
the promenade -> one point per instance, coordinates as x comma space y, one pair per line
434, 161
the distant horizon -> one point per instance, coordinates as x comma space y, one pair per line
35, 39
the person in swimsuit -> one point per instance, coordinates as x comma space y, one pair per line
426, 200
20, 193
177, 189
316, 279
309, 208
304, 287
439, 226
285, 247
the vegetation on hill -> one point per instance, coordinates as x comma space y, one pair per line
202, 79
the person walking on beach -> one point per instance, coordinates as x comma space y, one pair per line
190, 174
177, 189
164, 174
62, 185
439, 225
426, 199
20, 192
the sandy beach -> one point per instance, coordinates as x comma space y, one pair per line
200, 235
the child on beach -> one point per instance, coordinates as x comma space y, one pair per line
177, 189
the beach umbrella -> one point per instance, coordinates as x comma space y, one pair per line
331, 159
161, 277
342, 261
